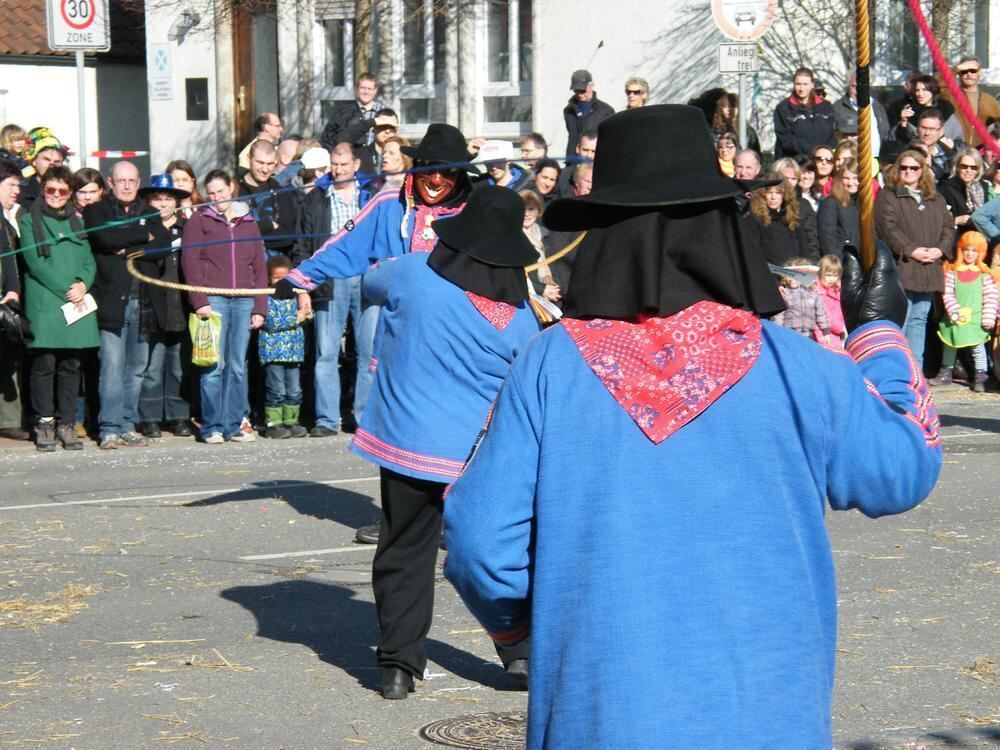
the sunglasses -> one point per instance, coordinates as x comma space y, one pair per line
909, 168
826, 159
633, 92
60, 192
967, 166
968, 71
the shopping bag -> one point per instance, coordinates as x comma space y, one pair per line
205, 335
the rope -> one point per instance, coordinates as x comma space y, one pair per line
221, 292
866, 206
215, 291
949, 78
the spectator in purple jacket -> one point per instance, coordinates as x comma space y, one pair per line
222, 248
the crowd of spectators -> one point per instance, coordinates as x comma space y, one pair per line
123, 374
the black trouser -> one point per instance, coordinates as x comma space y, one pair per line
55, 371
403, 569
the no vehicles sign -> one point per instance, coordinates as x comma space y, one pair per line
78, 25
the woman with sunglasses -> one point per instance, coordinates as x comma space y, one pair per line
636, 93
914, 220
823, 158
59, 270
965, 190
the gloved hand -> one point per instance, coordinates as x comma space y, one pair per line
871, 296
284, 289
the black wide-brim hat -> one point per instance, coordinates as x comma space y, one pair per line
490, 229
649, 157
442, 144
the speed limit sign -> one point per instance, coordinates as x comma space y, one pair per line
78, 25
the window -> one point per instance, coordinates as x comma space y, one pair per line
420, 43
335, 60
904, 38
507, 49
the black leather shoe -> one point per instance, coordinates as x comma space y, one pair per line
151, 429
517, 671
349, 424
396, 684
181, 428
319, 431
368, 534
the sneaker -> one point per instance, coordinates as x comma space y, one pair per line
80, 430
68, 437
246, 426
133, 440
320, 431
215, 439
244, 437
45, 436
109, 443
979, 384
297, 430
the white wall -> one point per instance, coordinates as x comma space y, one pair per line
171, 135
46, 95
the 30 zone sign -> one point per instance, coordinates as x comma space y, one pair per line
78, 24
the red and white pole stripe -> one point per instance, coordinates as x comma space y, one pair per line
118, 154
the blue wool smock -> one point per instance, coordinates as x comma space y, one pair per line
682, 595
440, 367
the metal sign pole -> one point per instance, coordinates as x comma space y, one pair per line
80, 91
742, 111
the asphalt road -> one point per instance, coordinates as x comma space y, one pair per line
189, 595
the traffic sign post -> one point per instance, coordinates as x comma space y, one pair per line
743, 21
77, 26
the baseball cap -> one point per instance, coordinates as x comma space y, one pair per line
580, 80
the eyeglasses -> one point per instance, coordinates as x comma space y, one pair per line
126, 181
967, 166
909, 168
826, 159
633, 92
968, 71
60, 192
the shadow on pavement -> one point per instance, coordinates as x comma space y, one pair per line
343, 631
320, 501
964, 737
975, 423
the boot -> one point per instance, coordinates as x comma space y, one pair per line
979, 384
290, 419
275, 431
943, 377
67, 436
45, 436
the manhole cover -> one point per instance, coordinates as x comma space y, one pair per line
490, 731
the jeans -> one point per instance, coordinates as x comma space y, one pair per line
160, 396
55, 371
282, 384
331, 318
224, 384
918, 309
123, 359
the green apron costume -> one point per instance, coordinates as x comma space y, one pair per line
968, 329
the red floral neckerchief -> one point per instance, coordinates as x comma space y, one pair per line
499, 314
424, 238
666, 371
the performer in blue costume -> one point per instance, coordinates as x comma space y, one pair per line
452, 322
391, 224
648, 500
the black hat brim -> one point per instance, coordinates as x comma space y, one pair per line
510, 252
414, 153
179, 194
600, 208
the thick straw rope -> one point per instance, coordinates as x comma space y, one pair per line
216, 291
866, 207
